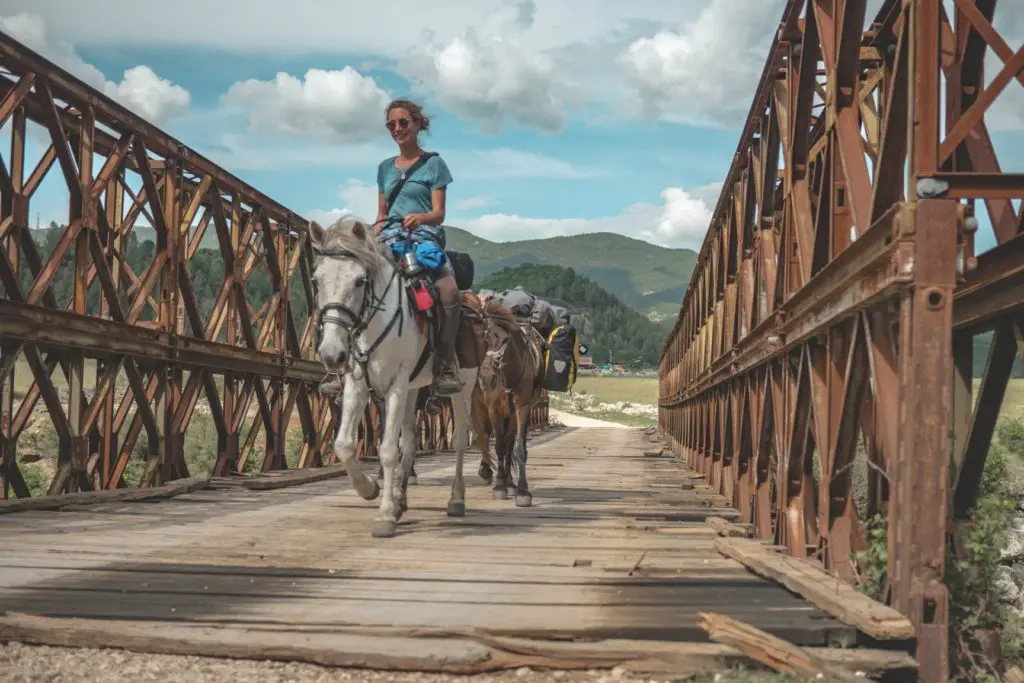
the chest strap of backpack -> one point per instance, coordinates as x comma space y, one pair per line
406, 174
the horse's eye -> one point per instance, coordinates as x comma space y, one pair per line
360, 281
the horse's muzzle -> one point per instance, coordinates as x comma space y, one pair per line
332, 358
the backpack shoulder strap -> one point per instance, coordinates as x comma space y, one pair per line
405, 176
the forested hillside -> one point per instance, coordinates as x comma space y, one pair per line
649, 278
609, 324
606, 324
205, 271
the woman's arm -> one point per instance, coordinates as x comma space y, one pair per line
382, 212
433, 217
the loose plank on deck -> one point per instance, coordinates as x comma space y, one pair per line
613, 548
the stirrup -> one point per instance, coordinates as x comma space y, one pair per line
447, 386
330, 385
432, 406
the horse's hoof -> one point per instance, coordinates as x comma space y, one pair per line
376, 491
511, 490
524, 500
456, 509
500, 494
383, 528
412, 480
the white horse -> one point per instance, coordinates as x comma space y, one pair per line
370, 337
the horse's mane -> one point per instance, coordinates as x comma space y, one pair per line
493, 308
365, 250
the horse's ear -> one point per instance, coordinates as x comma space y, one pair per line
316, 235
359, 230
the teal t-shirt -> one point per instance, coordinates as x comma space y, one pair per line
415, 196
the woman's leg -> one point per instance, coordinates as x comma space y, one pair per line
447, 380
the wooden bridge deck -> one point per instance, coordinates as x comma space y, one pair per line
613, 548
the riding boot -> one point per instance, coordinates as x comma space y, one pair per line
448, 382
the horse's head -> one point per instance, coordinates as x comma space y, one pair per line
347, 261
500, 328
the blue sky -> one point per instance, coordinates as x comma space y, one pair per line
553, 120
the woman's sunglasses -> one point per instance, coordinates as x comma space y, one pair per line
400, 123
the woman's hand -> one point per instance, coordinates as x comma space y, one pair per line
412, 221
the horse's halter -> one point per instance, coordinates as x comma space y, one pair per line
355, 323
497, 356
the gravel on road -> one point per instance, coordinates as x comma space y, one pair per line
21, 663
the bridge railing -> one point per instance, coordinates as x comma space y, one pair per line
132, 365
821, 359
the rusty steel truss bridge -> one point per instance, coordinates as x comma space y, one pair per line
154, 350
831, 314
830, 320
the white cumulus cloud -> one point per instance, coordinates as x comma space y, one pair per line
487, 74
504, 162
141, 90
704, 72
359, 199
339, 106
470, 203
680, 220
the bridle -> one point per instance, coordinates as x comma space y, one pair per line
497, 356
354, 323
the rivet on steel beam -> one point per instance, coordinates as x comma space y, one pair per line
935, 298
930, 187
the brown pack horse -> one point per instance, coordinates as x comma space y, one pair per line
508, 385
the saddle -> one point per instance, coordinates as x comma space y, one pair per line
425, 305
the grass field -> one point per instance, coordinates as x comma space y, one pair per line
644, 391
626, 400
615, 389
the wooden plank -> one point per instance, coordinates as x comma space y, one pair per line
430, 650
664, 623
268, 481
827, 592
729, 529
96, 497
769, 650
601, 554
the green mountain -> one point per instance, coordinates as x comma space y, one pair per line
610, 328
649, 278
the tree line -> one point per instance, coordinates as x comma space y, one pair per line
608, 326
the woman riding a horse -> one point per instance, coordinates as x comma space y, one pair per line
413, 220
411, 193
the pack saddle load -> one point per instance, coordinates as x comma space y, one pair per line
559, 340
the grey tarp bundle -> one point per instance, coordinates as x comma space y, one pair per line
543, 316
526, 306
519, 301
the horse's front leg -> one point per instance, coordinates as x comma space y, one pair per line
460, 439
524, 498
387, 521
354, 397
405, 470
499, 426
481, 430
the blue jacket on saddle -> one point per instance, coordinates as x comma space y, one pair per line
429, 173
